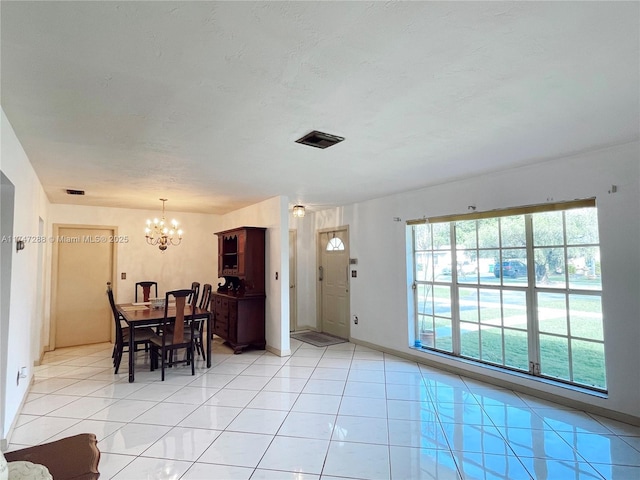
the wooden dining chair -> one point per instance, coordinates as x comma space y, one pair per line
199, 323
146, 290
141, 335
180, 335
195, 286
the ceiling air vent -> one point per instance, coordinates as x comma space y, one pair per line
75, 192
319, 139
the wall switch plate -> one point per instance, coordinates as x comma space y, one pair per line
123, 276
354, 273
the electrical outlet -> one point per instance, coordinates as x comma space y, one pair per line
355, 319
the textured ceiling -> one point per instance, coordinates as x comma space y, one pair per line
201, 102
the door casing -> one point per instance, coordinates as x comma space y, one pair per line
293, 289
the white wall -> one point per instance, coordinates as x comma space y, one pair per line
30, 204
194, 260
379, 293
305, 268
272, 214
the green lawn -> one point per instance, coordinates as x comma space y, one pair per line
482, 336
588, 357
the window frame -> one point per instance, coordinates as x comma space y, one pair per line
533, 290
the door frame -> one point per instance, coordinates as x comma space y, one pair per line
54, 274
293, 280
319, 232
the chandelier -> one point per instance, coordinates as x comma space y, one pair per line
161, 233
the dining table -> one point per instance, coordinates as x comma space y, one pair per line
142, 314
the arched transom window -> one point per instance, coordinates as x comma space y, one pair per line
335, 244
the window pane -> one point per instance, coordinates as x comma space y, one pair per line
512, 231
514, 267
335, 244
514, 308
584, 268
516, 349
425, 299
554, 356
486, 265
427, 325
550, 268
441, 236
468, 304
470, 340
424, 266
552, 313
586, 317
443, 339
488, 233
467, 266
466, 234
547, 229
423, 237
491, 344
582, 226
490, 312
588, 363
442, 300
427, 331
442, 264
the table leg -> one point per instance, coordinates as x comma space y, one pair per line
209, 330
132, 352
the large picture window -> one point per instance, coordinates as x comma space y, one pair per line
519, 289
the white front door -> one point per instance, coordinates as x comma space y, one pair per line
334, 281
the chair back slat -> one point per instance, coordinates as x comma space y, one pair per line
183, 316
195, 286
206, 296
178, 328
146, 290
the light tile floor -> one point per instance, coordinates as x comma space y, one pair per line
342, 412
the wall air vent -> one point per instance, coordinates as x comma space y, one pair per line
319, 139
75, 192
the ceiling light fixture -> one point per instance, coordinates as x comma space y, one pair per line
158, 232
298, 211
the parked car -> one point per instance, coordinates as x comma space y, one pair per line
510, 268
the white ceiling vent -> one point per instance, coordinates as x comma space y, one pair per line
319, 139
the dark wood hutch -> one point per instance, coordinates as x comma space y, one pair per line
238, 305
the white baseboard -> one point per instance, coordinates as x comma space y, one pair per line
278, 352
4, 442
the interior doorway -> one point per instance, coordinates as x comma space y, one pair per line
333, 281
7, 201
293, 292
83, 264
